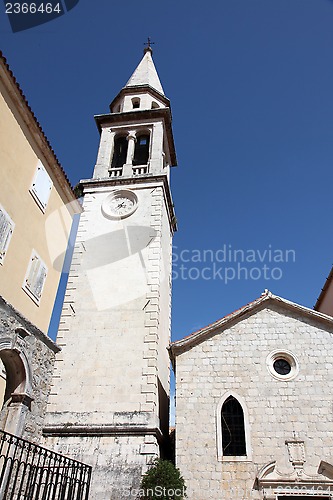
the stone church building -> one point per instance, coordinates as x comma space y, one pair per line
254, 404
254, 414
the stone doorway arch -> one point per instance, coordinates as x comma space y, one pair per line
18, 392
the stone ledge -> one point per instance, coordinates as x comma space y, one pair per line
102, 430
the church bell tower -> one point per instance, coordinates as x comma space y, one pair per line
109, 400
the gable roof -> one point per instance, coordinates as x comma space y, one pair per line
180, 346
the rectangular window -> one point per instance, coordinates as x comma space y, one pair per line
35, 277
41, 186
6, 231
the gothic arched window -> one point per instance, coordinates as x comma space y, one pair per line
119, 152
141, 152
233, 430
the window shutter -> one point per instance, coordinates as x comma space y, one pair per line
4, 225
32, 272
40, 279
35, 277
6, 231
42, 185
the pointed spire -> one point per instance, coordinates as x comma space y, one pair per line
145, 73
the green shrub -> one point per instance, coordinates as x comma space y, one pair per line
163, 481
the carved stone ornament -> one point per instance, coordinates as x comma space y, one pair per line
273, 483
296, 452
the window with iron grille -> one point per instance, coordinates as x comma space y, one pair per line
6, 231
233, 430
141, 152
120, 152
35, 277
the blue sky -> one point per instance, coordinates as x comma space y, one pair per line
250, 84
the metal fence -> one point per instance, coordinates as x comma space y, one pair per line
30, 472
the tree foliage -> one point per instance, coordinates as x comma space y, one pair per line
163, 481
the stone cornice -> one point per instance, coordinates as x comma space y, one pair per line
139, 89
102, 430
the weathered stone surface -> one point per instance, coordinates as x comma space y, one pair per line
289, 421
117, 462
28, 355
111, 378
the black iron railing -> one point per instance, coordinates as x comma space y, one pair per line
30, 472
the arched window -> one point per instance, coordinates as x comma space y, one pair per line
233, 429
154, 105
141, 152
119, 152
135, 102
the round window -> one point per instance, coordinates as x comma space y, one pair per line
282, 365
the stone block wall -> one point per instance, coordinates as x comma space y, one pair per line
280, 413
28, 356
110, 389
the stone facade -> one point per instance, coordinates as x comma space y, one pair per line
28, 355
109, 395
288, 422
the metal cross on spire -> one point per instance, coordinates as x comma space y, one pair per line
149, 44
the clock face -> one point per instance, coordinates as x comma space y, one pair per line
120, 204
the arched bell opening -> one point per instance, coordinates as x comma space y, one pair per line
141, 151
120, 151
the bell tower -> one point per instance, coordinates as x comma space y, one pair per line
109, 400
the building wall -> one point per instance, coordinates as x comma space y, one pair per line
28, 356
46, 233
108, 384
235, 360
325, 302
